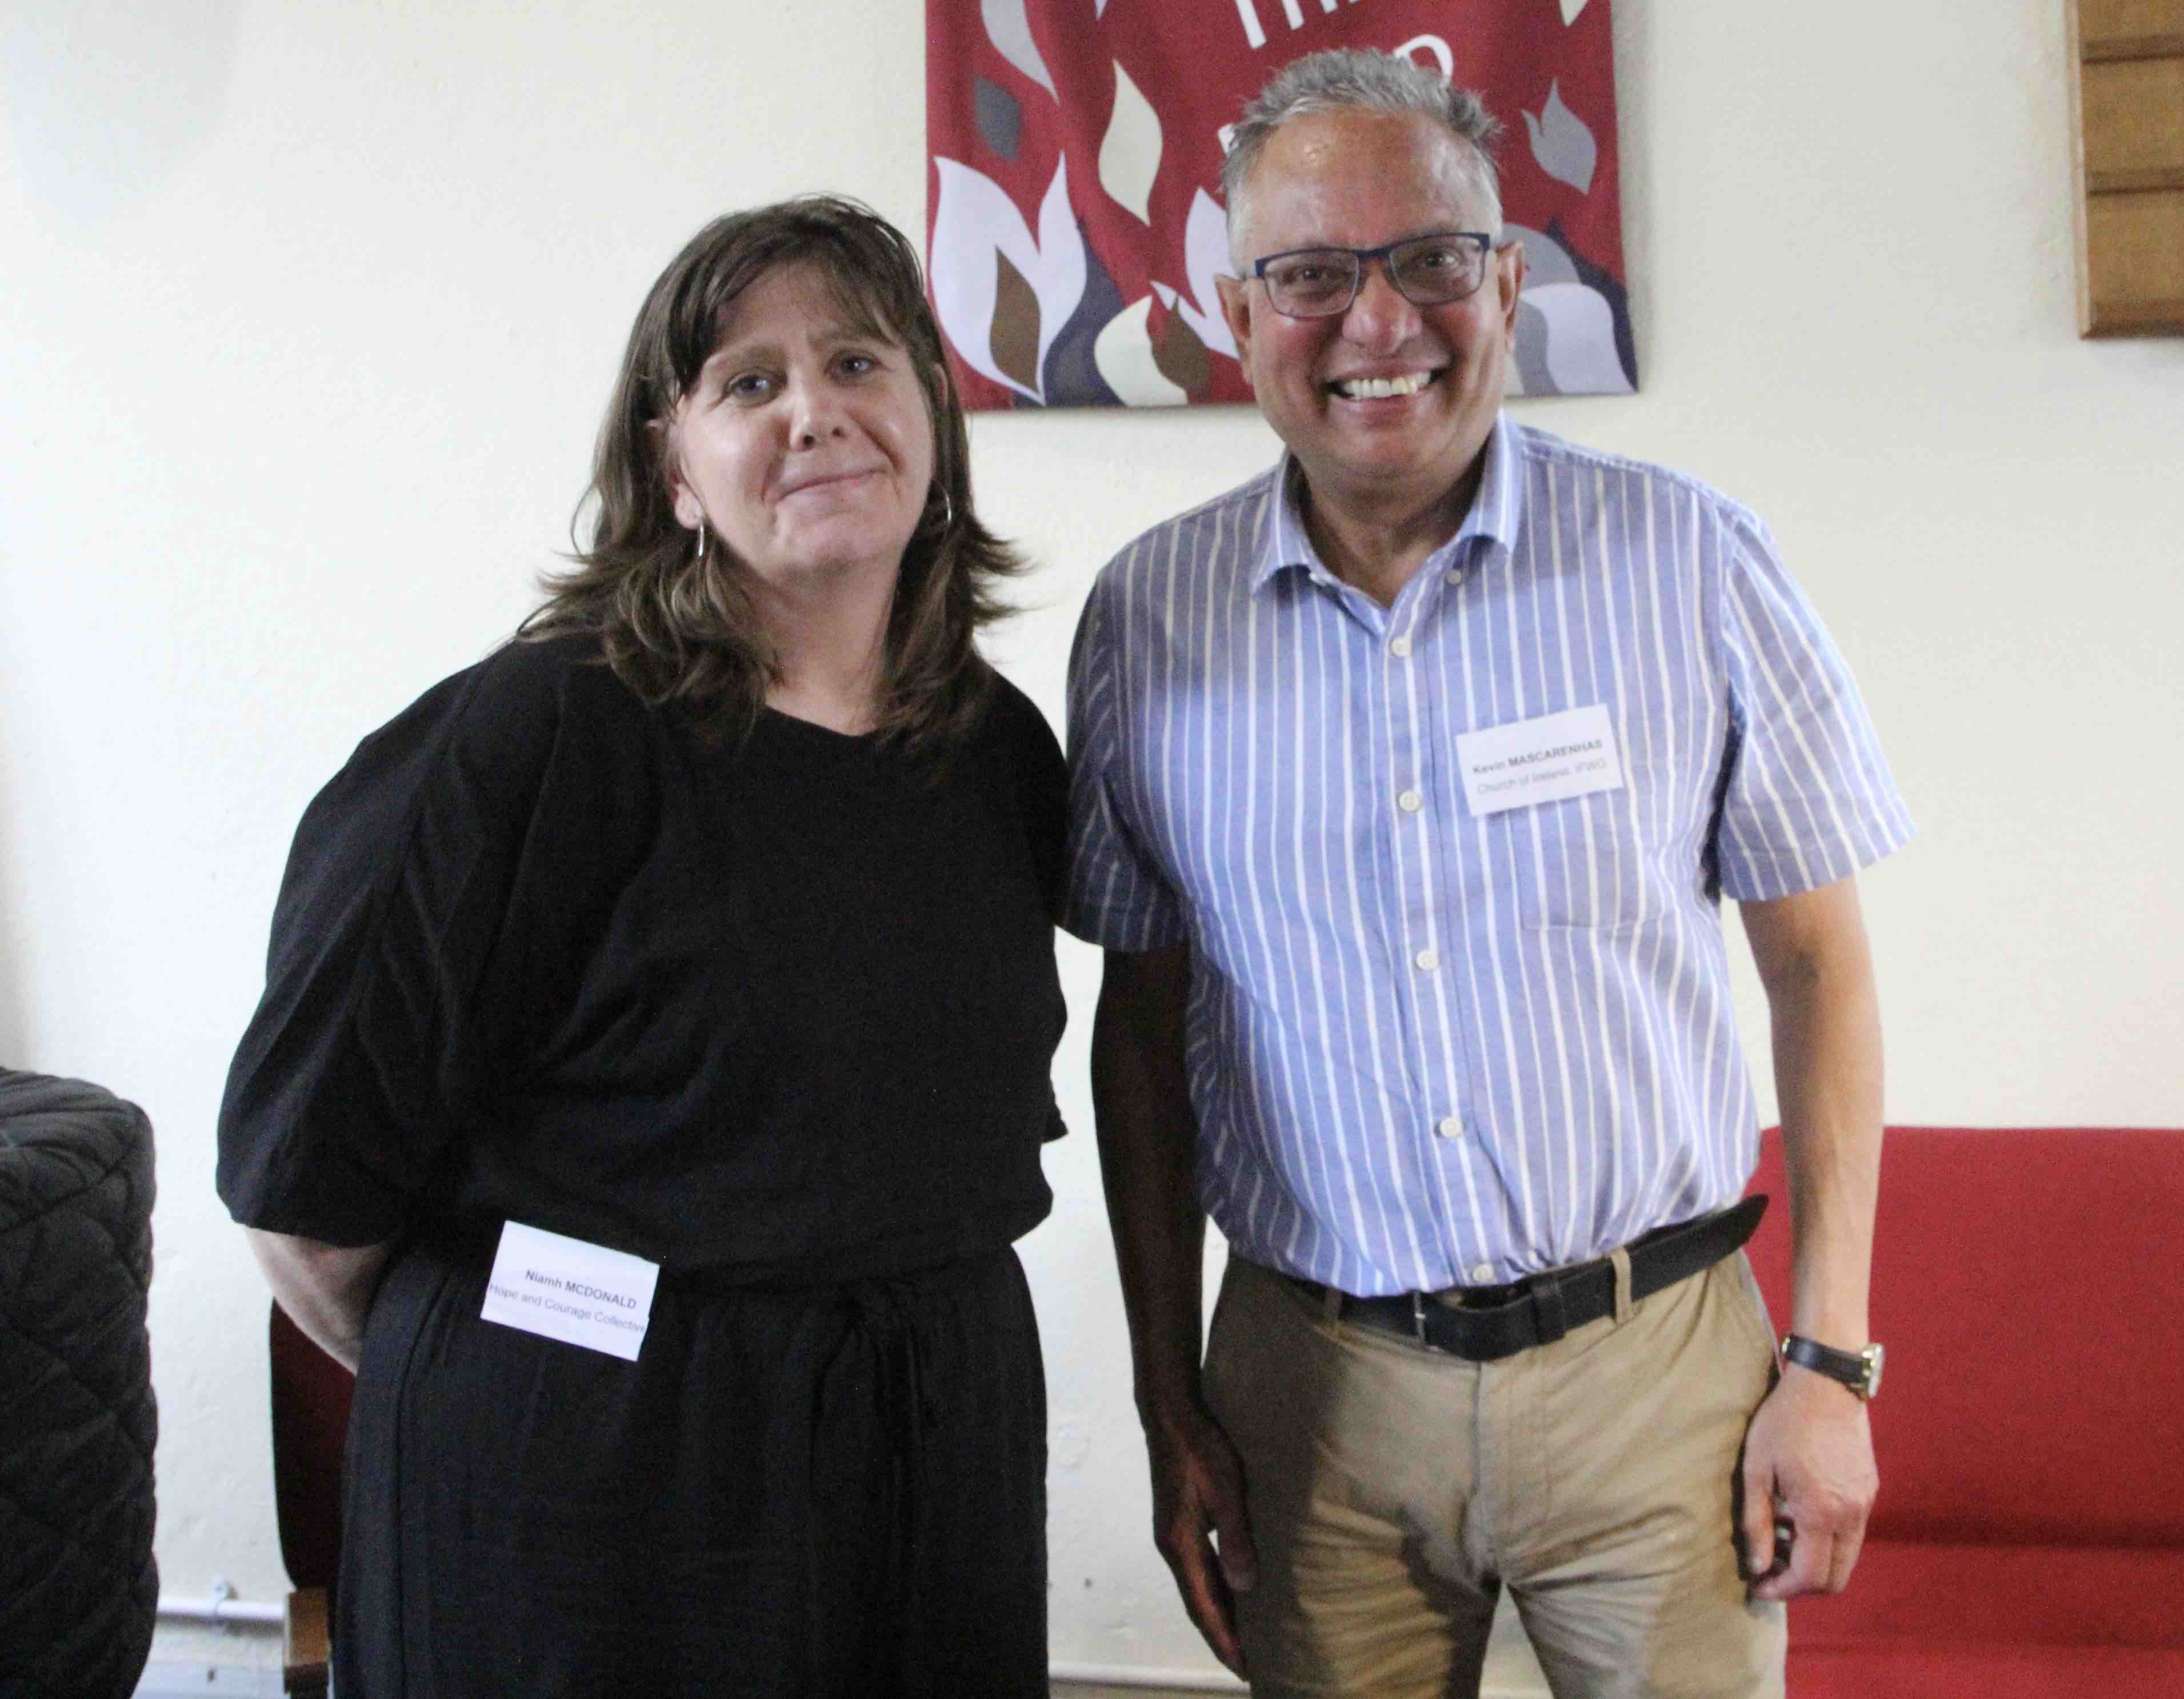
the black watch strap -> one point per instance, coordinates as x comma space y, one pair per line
1860, 1371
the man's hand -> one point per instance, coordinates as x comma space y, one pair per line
1198, 1492
1808, 1460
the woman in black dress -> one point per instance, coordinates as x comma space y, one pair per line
709, 924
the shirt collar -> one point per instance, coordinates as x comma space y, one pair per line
1495, 509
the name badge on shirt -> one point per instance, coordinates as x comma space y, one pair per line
1528, 761
568, 1289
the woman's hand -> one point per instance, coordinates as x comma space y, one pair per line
325, 1289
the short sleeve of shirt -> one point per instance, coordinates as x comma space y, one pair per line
1808, 799
363, 1060
1115, 896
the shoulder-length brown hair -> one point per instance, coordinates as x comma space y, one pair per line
681, 629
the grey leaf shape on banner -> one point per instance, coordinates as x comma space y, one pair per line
1562, 143
1000, 120
1009, 31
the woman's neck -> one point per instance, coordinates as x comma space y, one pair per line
831, 645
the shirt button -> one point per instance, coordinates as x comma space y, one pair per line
1448, 1127
1399, 647
1426, 959
1455, 575
1410, 802
1482, 1273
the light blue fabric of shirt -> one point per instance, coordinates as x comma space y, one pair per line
1428, 1047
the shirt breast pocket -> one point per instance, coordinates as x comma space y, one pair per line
1586, 861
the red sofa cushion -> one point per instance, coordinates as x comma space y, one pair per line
1911, 1595
1984, 1671
2026, 1283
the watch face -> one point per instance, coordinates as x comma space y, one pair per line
1875, 1356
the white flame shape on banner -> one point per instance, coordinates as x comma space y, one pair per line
1205, 256
1009, 31
1130, 152
1123, 352
975, 219
1579, 345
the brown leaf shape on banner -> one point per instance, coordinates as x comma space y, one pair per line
1182, 357
1014, 338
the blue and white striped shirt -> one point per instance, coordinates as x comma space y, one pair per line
1428, 1047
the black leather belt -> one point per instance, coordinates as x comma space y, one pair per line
1482, 1323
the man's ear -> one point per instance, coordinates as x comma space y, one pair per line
1509, 279
1236, 311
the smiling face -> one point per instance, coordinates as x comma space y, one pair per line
1386, 406
805, 443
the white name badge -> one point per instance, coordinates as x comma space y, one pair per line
567, 1289
1528, 761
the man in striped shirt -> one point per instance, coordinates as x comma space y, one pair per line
1407, 782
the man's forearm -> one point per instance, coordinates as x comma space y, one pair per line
1808, 1452
1814, 960
325, 1289
1147, 1137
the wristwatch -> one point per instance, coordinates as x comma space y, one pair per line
1860, 1371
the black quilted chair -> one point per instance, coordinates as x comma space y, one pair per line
79, 1588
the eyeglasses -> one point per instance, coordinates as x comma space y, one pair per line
1427, 271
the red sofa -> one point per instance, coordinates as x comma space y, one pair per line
2028, 1539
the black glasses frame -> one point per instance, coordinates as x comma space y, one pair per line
1385, 254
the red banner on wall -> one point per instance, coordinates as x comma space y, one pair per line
1075, 225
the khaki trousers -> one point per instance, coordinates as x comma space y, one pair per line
1393, 1492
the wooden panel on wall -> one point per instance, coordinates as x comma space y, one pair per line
2135, 282
2134, 125
2127, 122
2131, 29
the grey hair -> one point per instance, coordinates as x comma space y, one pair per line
1365, 79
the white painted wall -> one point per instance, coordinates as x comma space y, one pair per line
308, 312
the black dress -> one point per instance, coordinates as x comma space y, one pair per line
777, 1016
